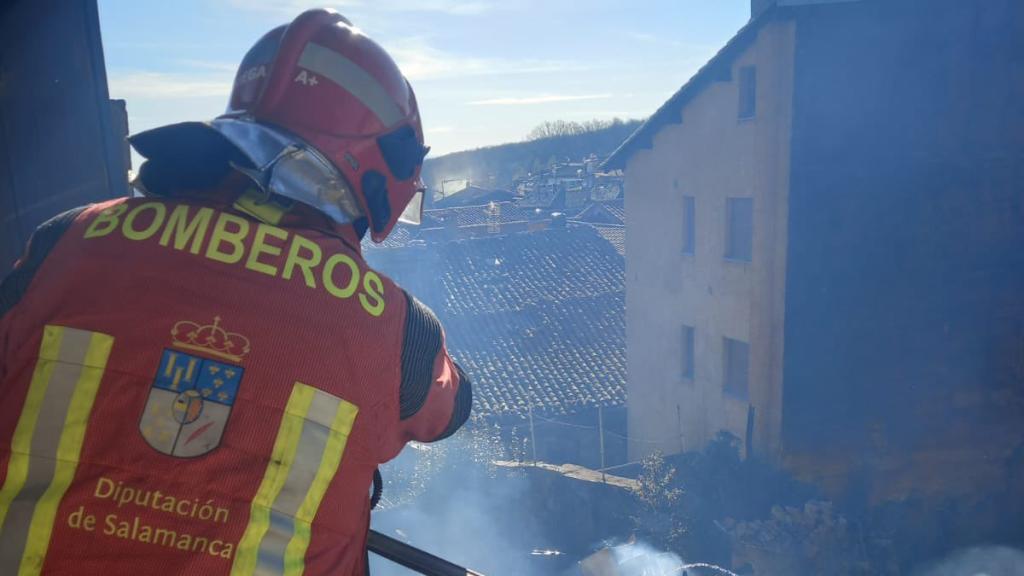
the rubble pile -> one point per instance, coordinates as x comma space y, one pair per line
811, 539
790, 528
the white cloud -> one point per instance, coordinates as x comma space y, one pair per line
416, 57
461, 8
652, 39
288, 8
292, 8
229, 67
419, 60
539, 99
160, 85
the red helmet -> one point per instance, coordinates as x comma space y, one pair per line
318, 92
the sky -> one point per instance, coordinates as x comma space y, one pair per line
485, 71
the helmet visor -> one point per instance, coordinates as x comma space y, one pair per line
413, 213
402, 151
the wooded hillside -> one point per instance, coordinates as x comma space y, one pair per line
558, 141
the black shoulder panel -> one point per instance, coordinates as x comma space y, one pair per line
420, 346
463, 405
43, 240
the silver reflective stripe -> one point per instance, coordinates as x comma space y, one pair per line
308, 457
350, 76
282, 515
51, 426
307, 453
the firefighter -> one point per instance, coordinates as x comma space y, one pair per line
203, 379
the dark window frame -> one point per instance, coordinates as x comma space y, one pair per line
739, 249
746, 108
736, 367
689, 225
689, 334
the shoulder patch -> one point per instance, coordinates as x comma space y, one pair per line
420, 346
46, 236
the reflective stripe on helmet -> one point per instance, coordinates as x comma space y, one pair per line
350, 76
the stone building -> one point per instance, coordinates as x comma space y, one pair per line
824, 229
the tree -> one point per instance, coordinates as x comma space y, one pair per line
563, 139
559, 128
555, 129
659, 518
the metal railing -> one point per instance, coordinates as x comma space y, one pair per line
413, 558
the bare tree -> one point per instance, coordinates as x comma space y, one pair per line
557, 128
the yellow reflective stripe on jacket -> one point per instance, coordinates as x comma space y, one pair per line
344, 419
21, 443
47, 443
273, 479
307, 452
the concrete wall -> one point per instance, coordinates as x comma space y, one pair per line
59, 146
710, 155
904, 323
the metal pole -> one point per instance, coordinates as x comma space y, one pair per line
533, 436
600, 433
413, 558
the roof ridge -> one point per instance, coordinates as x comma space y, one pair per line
643, 136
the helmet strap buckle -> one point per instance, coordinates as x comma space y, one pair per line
258, 177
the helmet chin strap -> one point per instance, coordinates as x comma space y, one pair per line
286, 166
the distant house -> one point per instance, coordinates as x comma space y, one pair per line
538, 321
609, 219
463, 222
473, 196
606, 214
825, 245
502, 218
606, 187
569, 186
487, 213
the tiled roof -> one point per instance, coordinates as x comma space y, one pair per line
609, 220
534, 318
603, 213
617, 208
494, 212
400, 236
541, 198
473, 196
616, 235
564, 200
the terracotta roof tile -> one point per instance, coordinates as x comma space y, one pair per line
616, 235
533, 318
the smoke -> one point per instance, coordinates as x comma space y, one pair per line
462, 509
639, 559
981, 561
450, 500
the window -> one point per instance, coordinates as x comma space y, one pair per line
748, 92
739, 228
689, 219
688, 358
737, 367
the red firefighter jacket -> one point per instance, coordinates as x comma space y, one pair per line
186, 389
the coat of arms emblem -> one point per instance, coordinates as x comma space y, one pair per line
192, 395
